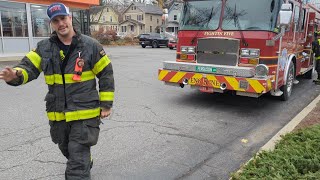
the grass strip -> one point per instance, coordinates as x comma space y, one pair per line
296, 156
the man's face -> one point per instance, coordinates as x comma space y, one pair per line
62, 25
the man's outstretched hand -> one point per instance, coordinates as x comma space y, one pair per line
8, 74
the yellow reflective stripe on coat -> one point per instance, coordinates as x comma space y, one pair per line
56, 116
82, 114
57, 78
106, 96
101, 64
24, 73
35, 59
74, 115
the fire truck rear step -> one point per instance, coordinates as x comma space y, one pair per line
248, 94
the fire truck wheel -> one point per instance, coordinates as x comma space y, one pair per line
143, 46
287, 88
308, 75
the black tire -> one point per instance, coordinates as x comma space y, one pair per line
287, 88
143, 46
308, 75
171, 48
155, 44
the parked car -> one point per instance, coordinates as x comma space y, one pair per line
172, 43
155, 40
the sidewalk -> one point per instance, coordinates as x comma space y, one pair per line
309, 116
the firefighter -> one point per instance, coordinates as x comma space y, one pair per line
316, 51
70, 62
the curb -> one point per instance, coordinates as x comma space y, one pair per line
290, 126
11, 58
270, 145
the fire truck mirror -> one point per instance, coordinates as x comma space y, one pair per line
285, 14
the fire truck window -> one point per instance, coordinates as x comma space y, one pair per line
202, 15
296, 17
251, 15
302, 20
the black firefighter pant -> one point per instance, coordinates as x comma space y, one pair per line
318, 67
74, 140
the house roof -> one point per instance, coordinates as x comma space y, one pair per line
147, 8
95, 9
175, 6
132, 21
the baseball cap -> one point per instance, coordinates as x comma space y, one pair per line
57, 9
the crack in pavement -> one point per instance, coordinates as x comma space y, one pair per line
31, 142
197, 166
5, 169
146, 122
46, 162
20, 130
186, 136
45, 177
210, 156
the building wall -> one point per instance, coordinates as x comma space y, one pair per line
153, 21
22, 25
129, 27
108, 15
134, 12
174, 12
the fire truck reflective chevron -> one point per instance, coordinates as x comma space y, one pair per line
250, 85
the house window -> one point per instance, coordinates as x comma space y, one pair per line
135, 7
150, 28
124, 28
141, 26
132, 28
150, 18
110, 18
157, 21
131, 7
107, 9
175, 17
142, 17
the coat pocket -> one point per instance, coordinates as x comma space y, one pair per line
50, 102
87, 100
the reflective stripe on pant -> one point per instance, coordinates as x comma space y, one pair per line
74, 140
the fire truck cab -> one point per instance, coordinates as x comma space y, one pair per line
249, 47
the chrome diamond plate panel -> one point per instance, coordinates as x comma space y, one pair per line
218, 69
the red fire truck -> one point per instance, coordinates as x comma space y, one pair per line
249, 47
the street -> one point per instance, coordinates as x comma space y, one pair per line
156, 132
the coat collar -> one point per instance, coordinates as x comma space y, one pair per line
54, 36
